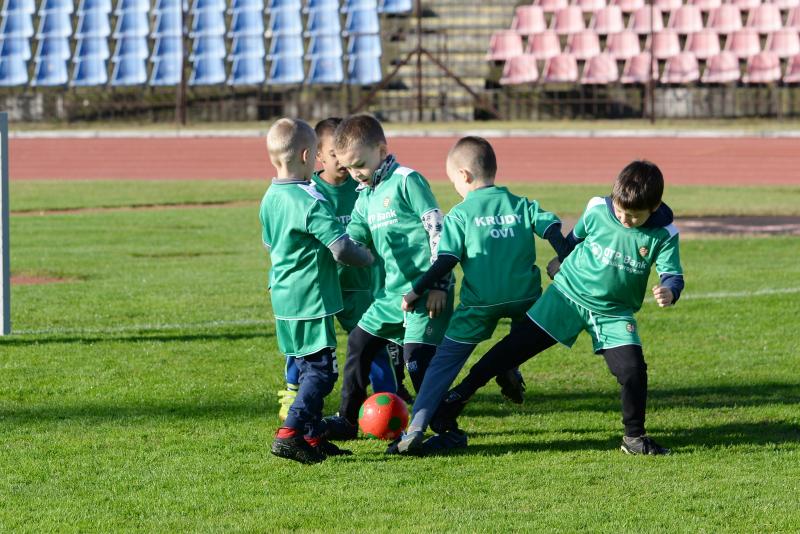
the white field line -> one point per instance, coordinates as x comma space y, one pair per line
720, 295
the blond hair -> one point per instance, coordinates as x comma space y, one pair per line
287, 138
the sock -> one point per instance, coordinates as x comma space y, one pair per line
312, 441
285, 432
293, 387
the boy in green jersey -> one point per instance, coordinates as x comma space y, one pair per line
491, 233
304, 240
598, 288
397, 214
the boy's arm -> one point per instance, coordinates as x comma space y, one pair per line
323, 225
420, 197
548, 226
358, 228
670, 272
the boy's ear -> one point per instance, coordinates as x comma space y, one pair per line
384, 150
305, 155
467, 175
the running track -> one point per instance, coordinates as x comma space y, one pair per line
711, 161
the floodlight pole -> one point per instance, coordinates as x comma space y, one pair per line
180, 90
651, 85
5, 264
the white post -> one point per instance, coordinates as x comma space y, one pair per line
5, 262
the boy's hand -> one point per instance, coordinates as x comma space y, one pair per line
408, 301
663, 296
437, 300
553, 267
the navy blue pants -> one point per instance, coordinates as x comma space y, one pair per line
317, 375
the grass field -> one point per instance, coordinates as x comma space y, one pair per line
141, 395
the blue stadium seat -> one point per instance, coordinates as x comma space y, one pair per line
132, 24
325, 70
364, 45
317, 4
15, 47
92, 47
93, 24
236, 5
50, 72
325, 46
323, 21
284, 4
55, 47
17, 24
103, 6
364, 70
132, 46
168, 24
167, 47
129, 70
396, 7
166, 71
54, 24
208, 22
286, 70
356, 5
362, 21
285, 21
247, 22
250, 46
132, 5
208, 46
19, 6
286, 46
213, 5
247, 70
89, 71
207, 71
65, 6
170, 5
13, 71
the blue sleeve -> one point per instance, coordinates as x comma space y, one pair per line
675, 284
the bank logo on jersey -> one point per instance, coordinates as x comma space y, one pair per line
344, 219
386, 202
643, 251
630, 327
614, 258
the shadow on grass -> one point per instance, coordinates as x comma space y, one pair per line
134, 337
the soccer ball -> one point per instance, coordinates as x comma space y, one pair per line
383, 416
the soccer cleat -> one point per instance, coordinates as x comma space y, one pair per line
446, 441
327, 449
392, 447
285, 400
338, 428
642, 445
411, 443
296, 448
444, 419
512, 385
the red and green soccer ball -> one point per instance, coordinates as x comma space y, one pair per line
383, 416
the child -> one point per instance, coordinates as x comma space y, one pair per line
304, 238
491, 233
599, 287
398, 215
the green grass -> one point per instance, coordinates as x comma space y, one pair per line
141, 397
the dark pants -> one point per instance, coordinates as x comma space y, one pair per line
526, 340
318, 373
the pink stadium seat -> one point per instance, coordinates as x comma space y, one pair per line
722, 68
706, 5
623, 45
583, 45
746, 5
682, 68
590, 6
561, 69
786, 4
600, 70
636, 69
607, 20
544, 45
668, 5
744, 43
529, 20
725, 19
504, 44
764, 67
627, 6
686, 19
784, 42
640, 21
765, 18
793, 70
665, 44
551, 6
568, 20
703, 44
519, 70
793, 19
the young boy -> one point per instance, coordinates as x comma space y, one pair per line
398, 215
491, 233
599, 287
303, 239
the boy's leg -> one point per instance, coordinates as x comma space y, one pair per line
286, 396
627, 364
381, 373
362, 347
395, 352
417, 356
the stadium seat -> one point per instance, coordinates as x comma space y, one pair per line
746, 5
706, 5
503, 45
520, 70
286, 46
132, 24
50, 72
764, 67
623, 45
283, 4
364, 70
13, 71
89, 71
681, 69
286, 70
551, 6
640, 21
364, 45
607, 20
328, 46
786, 4
54, 24
285, 21
63, 6
315, 4
665, 44
396, 7
250, 46
55, 47
166, 71
792, 70
590, 6
356, 5
247, 22
600, 70
208, 46
628, 6
362, 21
784, 42
124, 6
544, 45
562, 68
15, 47
170, 5
765, 18
722, 68
168, 46
19, 6
686, 19
325, 70
92, 47
725, 19
637, 69
323, 21
568, 20
168, 23
207, 71
668, 5
528, 20
793, 18
208, 22
132, 46
583, 45
744, 43
210, 5
247, 70
129, 70
101, 6
236, 5
703, 44
17, 24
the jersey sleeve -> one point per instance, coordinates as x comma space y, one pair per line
266, 238
580, 229
668, 260
322, 224
451, 242
357, 228
418, 194
542, 220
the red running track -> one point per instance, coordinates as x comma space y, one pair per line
711, 161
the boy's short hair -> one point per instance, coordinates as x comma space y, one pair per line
639, 186
287, 138
358, 130
477, 155
327, 126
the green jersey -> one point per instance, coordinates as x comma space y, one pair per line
389, 217
342, 199
297, 226
491, 234
608, 271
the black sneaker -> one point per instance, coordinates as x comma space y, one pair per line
296, 448
446, 441
444, 419
404, 394
512, 385
642, 445
338, 428
326, 448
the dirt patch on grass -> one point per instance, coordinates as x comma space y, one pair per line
35, 280
742, 224
138, 207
